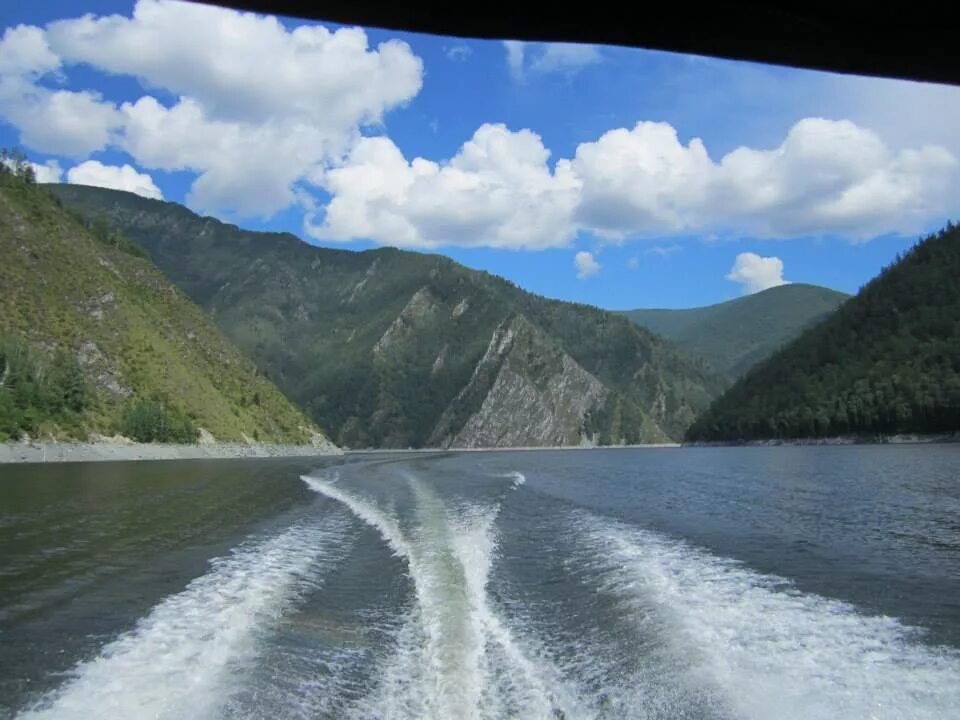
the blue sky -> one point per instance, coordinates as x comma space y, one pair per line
617, 177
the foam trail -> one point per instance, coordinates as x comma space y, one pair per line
176, 664
455, 659
769, 650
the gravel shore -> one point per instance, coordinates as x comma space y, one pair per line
88, 452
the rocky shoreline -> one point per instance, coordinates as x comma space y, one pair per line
38, 452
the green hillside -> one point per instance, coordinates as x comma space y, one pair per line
388, 348
887, 362
734, 336
94, 339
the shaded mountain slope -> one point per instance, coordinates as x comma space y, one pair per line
734, 336
394, 349
887, 362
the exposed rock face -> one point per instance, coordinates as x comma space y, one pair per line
539, 395
417, 312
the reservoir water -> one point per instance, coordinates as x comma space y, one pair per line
740, 583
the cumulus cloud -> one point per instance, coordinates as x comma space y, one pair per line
24, 52
756, 273
242, 66
259, 108
93, 172
49, 172
825, 177
264, 115
546, 58
586, 264
60, 122
498, 191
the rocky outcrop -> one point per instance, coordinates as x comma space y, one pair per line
417, 312
533, 394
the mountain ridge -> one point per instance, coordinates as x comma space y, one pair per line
734, 335
379, 344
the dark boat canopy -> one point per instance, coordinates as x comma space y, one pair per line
916, 41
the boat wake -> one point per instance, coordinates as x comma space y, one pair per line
758, 646
578, 617
455, 657
181, 660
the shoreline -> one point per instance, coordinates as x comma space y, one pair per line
523, 448
900, 439
45, 452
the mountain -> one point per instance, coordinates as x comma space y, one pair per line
734, 336
389, 348
95, 340
886, 362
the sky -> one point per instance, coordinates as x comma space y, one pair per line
618, 177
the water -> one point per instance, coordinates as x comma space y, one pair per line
693, 583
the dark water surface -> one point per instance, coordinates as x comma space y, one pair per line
792, 582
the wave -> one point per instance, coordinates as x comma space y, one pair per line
179, 661
759, 646
455, 658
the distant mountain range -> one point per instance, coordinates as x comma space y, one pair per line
886, 362
734, 336
387, 348
94, 339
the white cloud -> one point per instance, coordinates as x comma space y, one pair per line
516, 50
242, 66
663, 250
458, 53
498, 191
49, 172
755, 273
24, 52
125, 177
259, 109
547, 58
61, 122
825, 177
585, 264
633, 263
565, 58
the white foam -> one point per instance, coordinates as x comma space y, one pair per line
455, 658
178, 661
768, 650
518, 478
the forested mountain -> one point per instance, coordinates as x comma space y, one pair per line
388, 348
94, 339
887, 362
734, 336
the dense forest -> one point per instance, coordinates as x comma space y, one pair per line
887, 362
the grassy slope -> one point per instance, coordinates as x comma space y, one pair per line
135, 332
311, 318
734, 336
